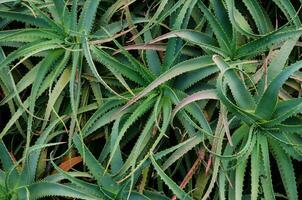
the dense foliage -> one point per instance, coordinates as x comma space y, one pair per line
165, 99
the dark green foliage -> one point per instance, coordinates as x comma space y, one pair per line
143, 100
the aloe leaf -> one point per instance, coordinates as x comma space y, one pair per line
267, 179
8, 163
93, 68
268, 101
289, 11
75, 89
194, 110
237, 20
103, 179
21, 110
292, 149
23, 83
152, 56
222, 37
117, 161
180, 21
263, 43
140, 144
30, 169
155, 195
255, 172
286, 170
105, 18
178, 69
74, 16
27, 35
205, 94
29, 50
217, 148
279, 60
166, 115
161, 13
115, 27
52, 24
62, 82
185, 81
170, 183
60, 8
285, 110
7, 86
55, 178
201, 39
259, 15
17, 16
179, 153
239, 90
138, 66
239, 178
114, 65
237, 137
139, 111
94, 122
46, 63
44, 189
87, 15
222, 16
88, 187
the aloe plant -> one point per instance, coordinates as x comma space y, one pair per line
155, 100
268, 127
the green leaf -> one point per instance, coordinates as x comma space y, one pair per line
185, 81
138, 112
286, 170
179, 153
117, 161
21, 17
180, 21
289, 11
96, 121
186, 66
57, 90
263, 43
238, 88
30, 169
87, 15
93, 68
266, 180
46, 63
222, 37
201, 39
103, 179
27, 35
43, 189
152, 56
285, 110
52, 24
239, 178
202, 95
6, 160
30, 49
114, 65
268, 101
237, 20
259, 15
141, 143
170, 183
88, 187
255, 171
